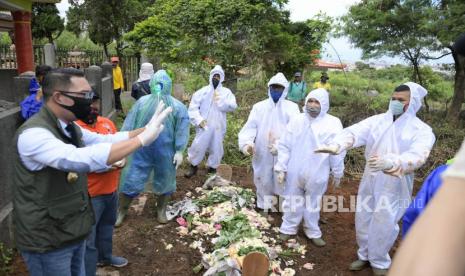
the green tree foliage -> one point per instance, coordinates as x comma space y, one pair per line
392, 28
412, 29
446, 22
106, 21
233, 33
46, 22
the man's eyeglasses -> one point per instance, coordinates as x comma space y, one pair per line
86, 95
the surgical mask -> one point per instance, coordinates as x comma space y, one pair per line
215, 83
92, 118
313, 111
275, 95
81, 107
396, 107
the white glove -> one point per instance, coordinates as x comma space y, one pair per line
379, 164
120, 164
203, 124
331, 149
248, 150
177, 159
273, 150
281, 177
155, 125
336, 182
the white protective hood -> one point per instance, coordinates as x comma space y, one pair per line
279, 79
322, 96
417, 93
146, 71
216, 70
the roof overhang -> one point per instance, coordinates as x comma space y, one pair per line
24, 5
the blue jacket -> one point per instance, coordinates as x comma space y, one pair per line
426, 193
30, 105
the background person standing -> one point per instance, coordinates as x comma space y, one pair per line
102, 190
118, 84
297, 89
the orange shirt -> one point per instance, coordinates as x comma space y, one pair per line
106, 182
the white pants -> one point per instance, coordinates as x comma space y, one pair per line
302, 203
377, 227
209, 140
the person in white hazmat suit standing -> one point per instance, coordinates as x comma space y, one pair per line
303, 173
260, 135
396, 144
207, 112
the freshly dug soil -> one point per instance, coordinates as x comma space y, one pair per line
142, 240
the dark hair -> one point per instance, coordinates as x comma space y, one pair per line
42, 70
401, 88
59, 79
459, 45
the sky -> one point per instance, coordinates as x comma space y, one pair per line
301, 10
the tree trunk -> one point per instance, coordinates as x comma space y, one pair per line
419, 79
105, 50
459, 89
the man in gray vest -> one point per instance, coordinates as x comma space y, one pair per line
52, 211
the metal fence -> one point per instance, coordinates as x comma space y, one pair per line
73, 58
7, 57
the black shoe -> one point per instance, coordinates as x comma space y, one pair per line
211, 171
192, 171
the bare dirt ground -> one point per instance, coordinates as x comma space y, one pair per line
143, 241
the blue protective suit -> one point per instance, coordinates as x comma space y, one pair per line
30, 105
158, 156
426, 193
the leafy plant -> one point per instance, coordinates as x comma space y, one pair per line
6, 258
246, 250
234, 229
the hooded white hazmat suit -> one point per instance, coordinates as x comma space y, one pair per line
266, 122
211, 105
383, 196
307, 173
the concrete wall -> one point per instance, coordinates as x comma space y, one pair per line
10, 120
7, 91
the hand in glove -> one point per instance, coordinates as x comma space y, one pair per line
380, 164
203, 124
273, 150
331, 149
336, 182
248, 150
155, 125
281, 177
177, 159
120, 164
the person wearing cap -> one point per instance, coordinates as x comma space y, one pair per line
297, 89
323, 83
141, 87
118, 84
102, 189
397, 143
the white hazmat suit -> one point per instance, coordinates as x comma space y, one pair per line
383, 196
211, 105
266, 122
307, 173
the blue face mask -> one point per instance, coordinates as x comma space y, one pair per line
275, 95
396, 107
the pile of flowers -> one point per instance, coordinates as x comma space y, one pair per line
226, 228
